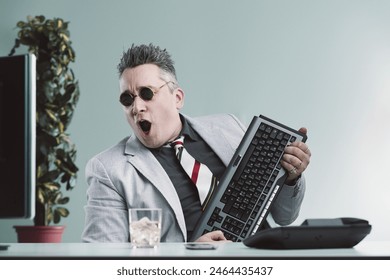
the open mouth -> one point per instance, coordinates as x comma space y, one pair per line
145, 125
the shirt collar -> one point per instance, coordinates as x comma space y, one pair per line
187, 131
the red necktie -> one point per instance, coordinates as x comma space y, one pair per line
199, 173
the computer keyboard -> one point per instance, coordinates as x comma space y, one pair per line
251, 182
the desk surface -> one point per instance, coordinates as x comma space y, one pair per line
366, 249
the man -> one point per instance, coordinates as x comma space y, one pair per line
142, 170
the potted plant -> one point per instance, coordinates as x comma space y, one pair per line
57, 95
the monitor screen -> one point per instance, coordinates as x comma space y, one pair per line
17, 136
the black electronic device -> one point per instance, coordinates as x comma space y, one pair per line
200, 246
17, 136
312, 234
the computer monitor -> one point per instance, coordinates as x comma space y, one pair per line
17, 136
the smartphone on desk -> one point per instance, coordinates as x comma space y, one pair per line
200, 246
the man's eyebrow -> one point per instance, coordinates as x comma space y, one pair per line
126, 92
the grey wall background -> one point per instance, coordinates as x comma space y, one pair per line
325, 63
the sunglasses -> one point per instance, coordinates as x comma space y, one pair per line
146, 93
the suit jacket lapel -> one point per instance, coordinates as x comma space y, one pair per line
144, 161
214, 138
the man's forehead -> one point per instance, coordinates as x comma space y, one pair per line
143, 75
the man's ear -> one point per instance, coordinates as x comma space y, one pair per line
179, 93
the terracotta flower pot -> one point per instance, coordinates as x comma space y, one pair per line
39, 234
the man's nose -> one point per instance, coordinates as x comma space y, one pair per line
138, 105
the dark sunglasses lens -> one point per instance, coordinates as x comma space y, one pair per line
126, 99
146, 93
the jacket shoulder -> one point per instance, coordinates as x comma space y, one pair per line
111, 154
220, 120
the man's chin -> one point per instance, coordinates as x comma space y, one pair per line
150, 143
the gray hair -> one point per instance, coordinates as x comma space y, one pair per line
148, 54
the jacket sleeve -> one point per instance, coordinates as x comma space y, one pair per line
287, 205
106, 217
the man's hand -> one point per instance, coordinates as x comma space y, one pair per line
296, 159
213, 236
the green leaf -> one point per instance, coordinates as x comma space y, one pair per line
71, 184
51, 186
63, 200
51, 115
49, 176
57, 218
70, 87
21, 24
40, 18
63, 211
65, 178
41, 196
57, 197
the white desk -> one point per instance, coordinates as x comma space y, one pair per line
366, 249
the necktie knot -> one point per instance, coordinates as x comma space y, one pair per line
178, 142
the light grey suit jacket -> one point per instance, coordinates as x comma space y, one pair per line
127, 175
